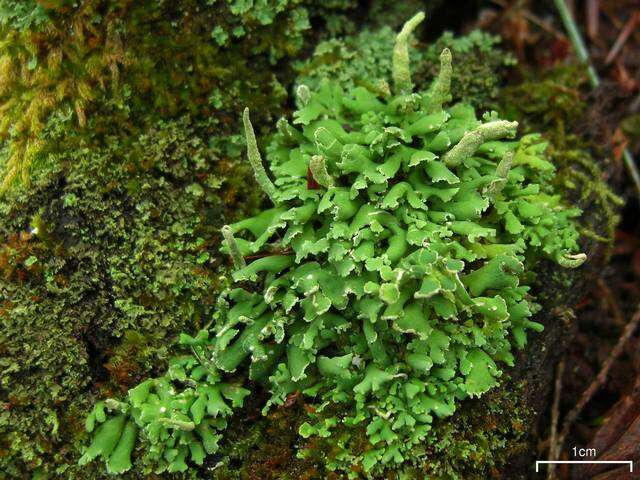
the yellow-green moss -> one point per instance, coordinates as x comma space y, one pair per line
200, 57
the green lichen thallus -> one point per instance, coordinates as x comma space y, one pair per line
386, 291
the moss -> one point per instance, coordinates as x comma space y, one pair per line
478, 447
64, 57
120, 243
245, 455
555, 103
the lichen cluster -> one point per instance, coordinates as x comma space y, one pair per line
362, 60
388, 282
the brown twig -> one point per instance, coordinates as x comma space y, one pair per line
607, 11
600, 379
623, 37
546, 26
555, 415
593, 18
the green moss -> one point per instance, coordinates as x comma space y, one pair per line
244, 453
116, 242
554, 103
170, 57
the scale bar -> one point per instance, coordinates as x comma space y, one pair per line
621, 462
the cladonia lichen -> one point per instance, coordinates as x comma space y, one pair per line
386, 283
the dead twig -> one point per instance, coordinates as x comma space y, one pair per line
623, 37
593, 18
600, 379
546, 26
554, 451
608, 11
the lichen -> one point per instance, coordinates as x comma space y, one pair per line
363, 60
388, 282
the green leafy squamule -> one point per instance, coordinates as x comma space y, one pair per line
386, 284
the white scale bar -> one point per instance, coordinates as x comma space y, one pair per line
621, 462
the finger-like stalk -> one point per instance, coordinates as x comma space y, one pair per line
571, 261
502, 172
256, 160
234, 251
318, 168
503, 168
472, 140
401, 72
441, 90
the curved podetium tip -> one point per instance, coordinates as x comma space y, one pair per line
318, 168
255, 159
401, 72
445, 66
234, 251
572, 261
